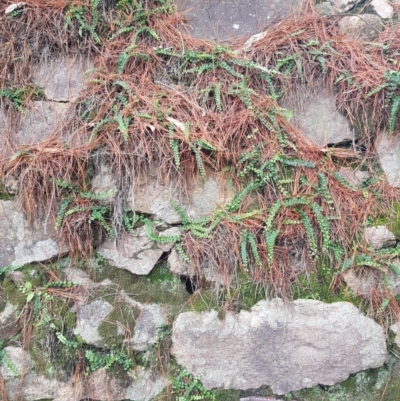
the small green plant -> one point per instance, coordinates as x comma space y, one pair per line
96, 360
18, 96
5, 360
87, 19
189, 388
392, 95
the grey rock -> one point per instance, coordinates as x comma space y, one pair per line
342, 6
148, 324
379, 237
89, 318
286, 346
144, 387
352, 176
141, 388
382, 8
396, 330
98, 385
325, 8
78, 277
39, 122
62, 79
31, 387
8, 325
371, 280
389, 156
136, 253
224, 19
365, 27
21, 244
317, 117
179, 267
152, 197
104, 184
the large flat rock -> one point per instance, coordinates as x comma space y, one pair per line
20, 243
316, 115
388, 148
228, 19
62, 79
39, 122
286, 346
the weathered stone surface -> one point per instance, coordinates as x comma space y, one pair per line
352, 176
21, 244
147, 327
31, 386
62, 79
142, 388
342, 6
363, 284
152, 197
286, 346
104, 184
7, 321
364, 27
325, 8
38, 123
389, 156
97, 386
382, 8
179, 267
396, 330
317, 117
224, 19
89, 318
379, 237
136, 253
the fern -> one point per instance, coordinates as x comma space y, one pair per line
272, 213
174, 144
253, 246
323, 224
312, 243
293, 162
217, 96
243, 250
394, 111
182, 253
343, 181
62, 211
270, 239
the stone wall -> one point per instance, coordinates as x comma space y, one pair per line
138, 318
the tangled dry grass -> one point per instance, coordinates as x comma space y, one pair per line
159, 98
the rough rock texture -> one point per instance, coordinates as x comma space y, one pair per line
225, 19
7, 321
352, 176
152, 197
136, 253
364, 27
317, 117
104, 184
325, 8
32, 387
389, 157
396, 330
379, 237
363, 284
147, 327
39, 122
21, 244
342, 6
179, 267
97, 386
63, 79
382, 8
142, 388
286, 346
89, 318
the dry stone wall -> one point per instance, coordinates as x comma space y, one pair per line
139, 292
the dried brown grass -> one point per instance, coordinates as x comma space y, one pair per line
161, 90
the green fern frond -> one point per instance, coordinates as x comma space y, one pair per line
323, 224
270, 239
343, 181
394, 111
243, 250
272, 213
217, 96
312, 242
